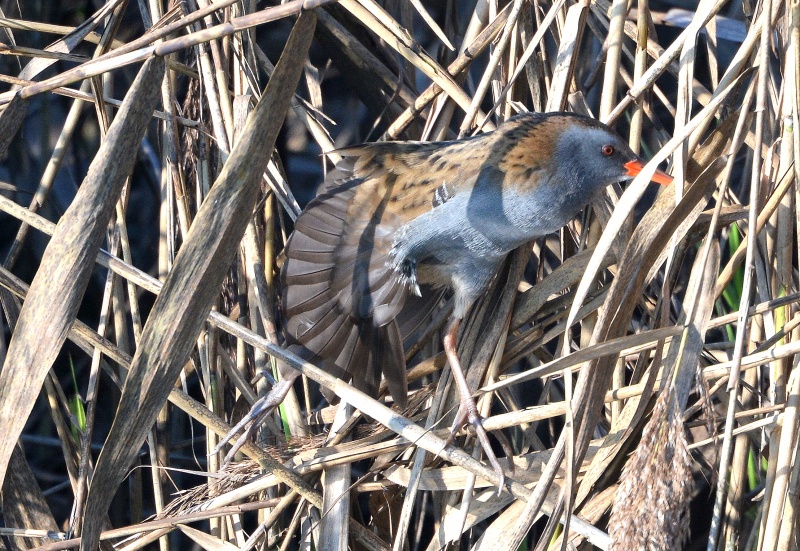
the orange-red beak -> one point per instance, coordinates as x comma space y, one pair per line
660, 177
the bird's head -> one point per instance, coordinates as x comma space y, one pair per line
594, 156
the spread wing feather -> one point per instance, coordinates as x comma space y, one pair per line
340, 297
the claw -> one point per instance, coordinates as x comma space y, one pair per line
255, 417
468, 413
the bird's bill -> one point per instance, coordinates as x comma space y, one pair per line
660, 177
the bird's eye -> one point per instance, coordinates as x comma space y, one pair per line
608, 150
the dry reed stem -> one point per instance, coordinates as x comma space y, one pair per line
638, 333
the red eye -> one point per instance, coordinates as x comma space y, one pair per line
608, 150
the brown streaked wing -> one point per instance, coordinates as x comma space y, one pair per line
334, 277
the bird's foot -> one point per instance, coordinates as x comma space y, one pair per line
254, 418
468, 414
468, 411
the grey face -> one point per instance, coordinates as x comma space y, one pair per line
601, 156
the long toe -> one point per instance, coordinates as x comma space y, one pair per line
469, 415
483, 437
257, 414
459, 421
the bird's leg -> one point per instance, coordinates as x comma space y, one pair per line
467, 410
255, 417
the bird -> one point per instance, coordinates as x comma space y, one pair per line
396, 221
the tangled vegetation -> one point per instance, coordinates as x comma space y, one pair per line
642, 361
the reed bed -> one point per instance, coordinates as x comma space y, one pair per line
642, 361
